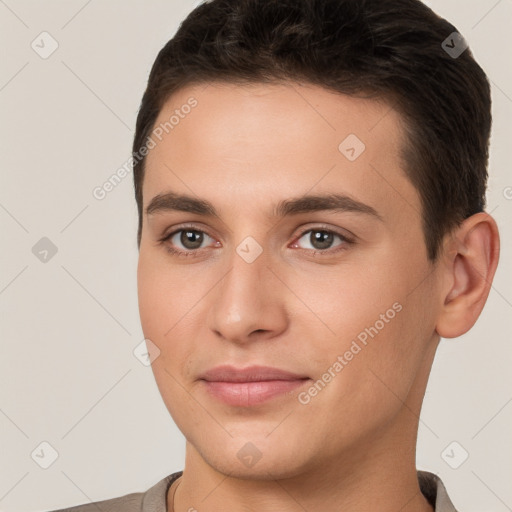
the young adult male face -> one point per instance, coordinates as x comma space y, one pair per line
246, 150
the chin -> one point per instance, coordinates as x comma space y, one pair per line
274, 468
257, 457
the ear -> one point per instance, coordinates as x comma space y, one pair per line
470, 258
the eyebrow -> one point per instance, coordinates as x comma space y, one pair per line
171, 201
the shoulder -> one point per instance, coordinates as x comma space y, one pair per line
129, 503
154, 500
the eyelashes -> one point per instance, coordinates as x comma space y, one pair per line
331, 236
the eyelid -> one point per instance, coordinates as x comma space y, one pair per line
182, 227
313, 227
343, 233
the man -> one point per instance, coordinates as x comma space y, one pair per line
310, 177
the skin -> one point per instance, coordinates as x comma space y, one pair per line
352, 447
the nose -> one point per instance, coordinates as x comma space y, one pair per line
248, 304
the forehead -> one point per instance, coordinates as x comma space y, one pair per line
240, 146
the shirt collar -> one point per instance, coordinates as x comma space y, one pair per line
434, 490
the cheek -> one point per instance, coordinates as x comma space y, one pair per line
158, 295
166, 306
348, 298
380, 330
161, 308
371, 381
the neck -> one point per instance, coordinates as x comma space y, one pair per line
383, 479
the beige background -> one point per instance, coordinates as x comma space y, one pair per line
70, 325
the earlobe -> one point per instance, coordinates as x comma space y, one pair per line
469, 270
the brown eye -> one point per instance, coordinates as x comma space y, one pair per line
322, 239
185, 241
191, 239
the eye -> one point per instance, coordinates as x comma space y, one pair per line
188, 242
190, 239
321, 241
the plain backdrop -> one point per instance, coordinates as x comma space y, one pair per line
70, 324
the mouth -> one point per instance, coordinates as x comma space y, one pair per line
247, 387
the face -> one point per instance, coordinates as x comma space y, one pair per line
339, 294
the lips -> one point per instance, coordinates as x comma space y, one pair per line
250, 374
246, 387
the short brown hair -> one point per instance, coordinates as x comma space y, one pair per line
388, 49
